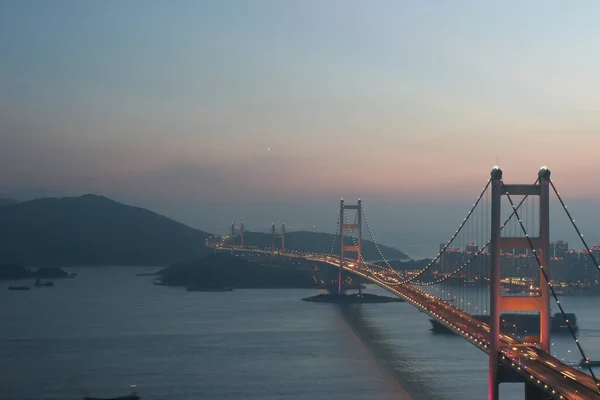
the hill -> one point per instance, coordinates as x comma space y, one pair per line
7, 201
407, 265
93, 230
32, 193
320, 243
14, 271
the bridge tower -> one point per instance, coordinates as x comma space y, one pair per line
278, 236
354, 247
240, 234
499, 303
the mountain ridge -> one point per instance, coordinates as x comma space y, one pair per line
93, 230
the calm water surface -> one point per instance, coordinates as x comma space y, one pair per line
107, 329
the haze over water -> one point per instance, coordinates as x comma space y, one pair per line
107, 329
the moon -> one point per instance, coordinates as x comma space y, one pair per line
269, 149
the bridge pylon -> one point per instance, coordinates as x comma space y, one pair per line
499, 303
355, 247
235, 234
276, 236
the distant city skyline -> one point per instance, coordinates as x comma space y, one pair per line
218, 111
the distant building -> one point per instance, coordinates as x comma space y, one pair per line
559, 249
472, 247
559, 269
520, 251
442, 257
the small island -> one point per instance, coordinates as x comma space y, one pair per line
346, 298
16, 271
225, 272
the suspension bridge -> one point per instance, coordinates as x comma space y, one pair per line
496, 264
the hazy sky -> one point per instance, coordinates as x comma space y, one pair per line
210, 111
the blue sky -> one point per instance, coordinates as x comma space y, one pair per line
247, 107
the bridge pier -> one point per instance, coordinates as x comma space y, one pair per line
499, 303
341, 269
352, 248
275, 236
234, 234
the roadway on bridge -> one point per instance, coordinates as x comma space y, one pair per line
547, 371
559, 380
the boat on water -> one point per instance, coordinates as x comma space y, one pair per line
39, 283
208, 289
11, 287
132, 396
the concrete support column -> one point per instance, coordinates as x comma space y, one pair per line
544, 176
341, 246
493, 381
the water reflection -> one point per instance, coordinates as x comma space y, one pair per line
390, 358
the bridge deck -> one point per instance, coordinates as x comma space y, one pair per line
560, 380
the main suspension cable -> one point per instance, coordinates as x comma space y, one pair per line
481, 251
337, 228
432, 263
587, 248
373, 239
560, 307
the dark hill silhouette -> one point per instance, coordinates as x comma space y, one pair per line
319, 243
407, 265
7, 201
93, 230
32, 193
15, 271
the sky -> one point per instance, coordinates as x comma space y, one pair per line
262, 111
